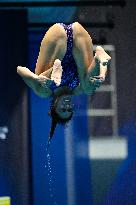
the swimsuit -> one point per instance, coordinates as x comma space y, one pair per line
69, 75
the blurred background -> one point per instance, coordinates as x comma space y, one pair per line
93, 159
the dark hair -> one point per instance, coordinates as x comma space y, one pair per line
56, 119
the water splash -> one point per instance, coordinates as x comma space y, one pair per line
51, 180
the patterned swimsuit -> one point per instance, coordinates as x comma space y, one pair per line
69, 75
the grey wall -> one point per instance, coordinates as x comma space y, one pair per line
123, 36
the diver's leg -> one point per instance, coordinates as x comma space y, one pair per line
53, 46
82, 50
88, 65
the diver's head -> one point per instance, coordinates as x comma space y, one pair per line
61, 112
64, 107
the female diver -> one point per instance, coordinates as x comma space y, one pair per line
65, 67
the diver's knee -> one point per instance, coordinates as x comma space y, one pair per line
54, 34
77, 25
79, 31
58, 32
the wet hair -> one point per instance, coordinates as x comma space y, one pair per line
56, 119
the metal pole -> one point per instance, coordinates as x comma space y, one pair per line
82, 3
88, 24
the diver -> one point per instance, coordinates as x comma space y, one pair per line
66, 66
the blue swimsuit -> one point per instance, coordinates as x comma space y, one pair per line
69, 75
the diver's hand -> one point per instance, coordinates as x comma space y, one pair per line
97, 81
57, 72
44, 81
91, 84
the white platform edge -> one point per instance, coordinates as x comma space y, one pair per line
108, 148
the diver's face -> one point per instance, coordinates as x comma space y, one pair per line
64, 107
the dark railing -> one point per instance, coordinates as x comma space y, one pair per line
64, 3
100, 3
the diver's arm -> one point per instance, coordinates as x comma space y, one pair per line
39, 84
94, 78
93, 82
78, 90
89, 87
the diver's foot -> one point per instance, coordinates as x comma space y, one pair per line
102, 56
57, 72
